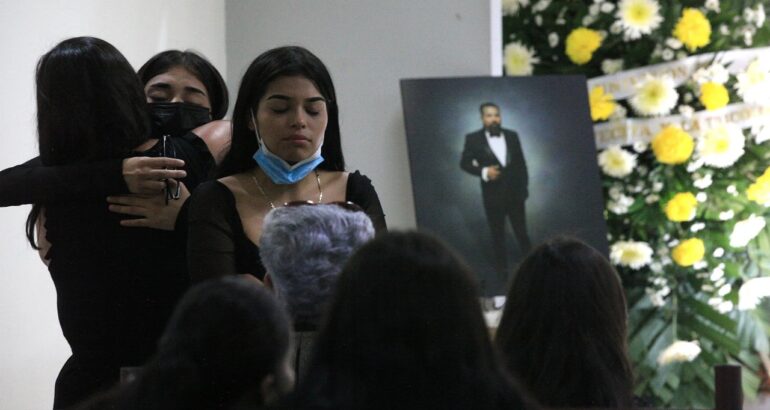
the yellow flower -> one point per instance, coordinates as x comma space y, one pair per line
681, 207
689, 252
581, 44
672, 145
759, 191
693, 29
713, 95
602, 104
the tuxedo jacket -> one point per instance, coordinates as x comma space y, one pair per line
513, 181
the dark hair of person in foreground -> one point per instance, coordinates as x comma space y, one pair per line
225, 347
405, 331
90, 106
563, 329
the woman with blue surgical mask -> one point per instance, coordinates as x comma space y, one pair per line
285, 147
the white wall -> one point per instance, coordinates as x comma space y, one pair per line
31, 346
368, 46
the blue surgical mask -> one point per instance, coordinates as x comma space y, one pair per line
277, 169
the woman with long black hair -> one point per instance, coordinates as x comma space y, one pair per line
115, 286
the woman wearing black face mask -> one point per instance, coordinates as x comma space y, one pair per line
188, 99
186, 94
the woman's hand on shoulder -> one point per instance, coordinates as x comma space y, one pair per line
153, 210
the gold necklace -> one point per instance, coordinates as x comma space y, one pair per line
267, 199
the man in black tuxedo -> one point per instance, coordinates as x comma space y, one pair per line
494, 154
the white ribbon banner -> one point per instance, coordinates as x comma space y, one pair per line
631, 130
623, 84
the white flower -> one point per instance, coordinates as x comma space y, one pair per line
703, 182
752, 291
553, 40
594, 9
616, 27
721, 146
701, 197
638, 17
655, 96
667, 54
539, 20
656, 296
724, 30
611, 66
615, 192
640, 146
725, 307
712, 5
673, 43
541, 5
718, 273
607, 7
519, 59
726, 215
731, 190
753, 85
760, 16
748, 37
715, 73
619, 113
724, 290
588, 20
511, 7
632, 254
617, 162
746, 230
620, 206
657, 186
719, 252
698, 226
763, 134
651, 199
679, 351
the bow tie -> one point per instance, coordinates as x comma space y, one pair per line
498, 135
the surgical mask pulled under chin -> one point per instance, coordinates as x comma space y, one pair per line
277, 169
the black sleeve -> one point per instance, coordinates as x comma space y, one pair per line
361, 192
210, 236
32, 182
468, 162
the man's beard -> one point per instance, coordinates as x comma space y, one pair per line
494, 129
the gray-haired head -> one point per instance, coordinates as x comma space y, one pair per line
304, 248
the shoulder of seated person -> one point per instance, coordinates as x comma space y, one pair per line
236, 183
214, 129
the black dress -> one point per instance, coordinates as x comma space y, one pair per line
116, 287
217, 243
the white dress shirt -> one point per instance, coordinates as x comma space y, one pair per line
499, 148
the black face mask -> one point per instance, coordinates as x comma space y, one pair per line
176, 119
494, 129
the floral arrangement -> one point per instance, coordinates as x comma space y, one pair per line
679, 93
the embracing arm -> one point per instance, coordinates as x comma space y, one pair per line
210, 236
32, 182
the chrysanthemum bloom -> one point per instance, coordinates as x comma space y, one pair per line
581, 44
721, 146
511, 7
688, 252
632, 254
759, 191
519, 59
681, 207
617, 162
752, 291
672, 145
602, 104
746, 230
754, 84
655, 96
713, 95
638, 17
693, 29
679, 351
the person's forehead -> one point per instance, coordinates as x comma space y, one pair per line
490, 109
178, 76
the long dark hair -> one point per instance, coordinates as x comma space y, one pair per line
405, 330
199, 67
278, 62
90, 106
225, 336
563, 330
